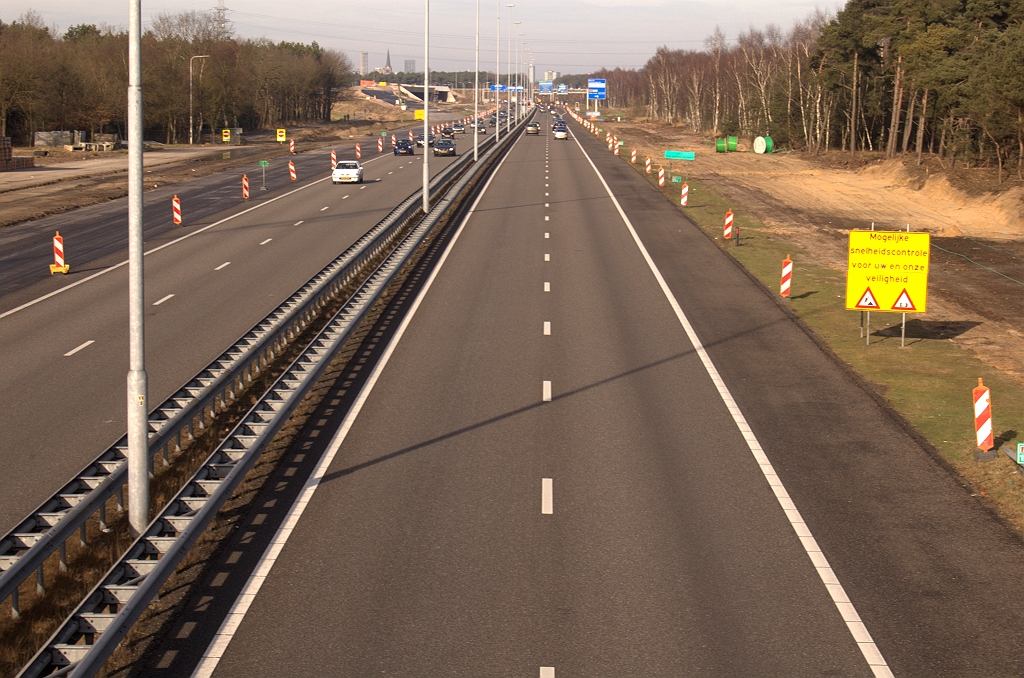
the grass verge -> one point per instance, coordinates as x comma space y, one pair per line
928, 383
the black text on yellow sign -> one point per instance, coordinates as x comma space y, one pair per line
888, 271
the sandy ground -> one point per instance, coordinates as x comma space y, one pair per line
972, 299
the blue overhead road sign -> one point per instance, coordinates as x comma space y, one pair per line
597, 88
498, 88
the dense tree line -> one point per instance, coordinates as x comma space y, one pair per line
79, 80
944, 77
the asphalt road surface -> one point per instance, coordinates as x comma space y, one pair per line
599, 448
62, 377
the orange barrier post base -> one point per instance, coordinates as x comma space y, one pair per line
54, 268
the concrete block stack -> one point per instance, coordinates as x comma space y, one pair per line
9, 161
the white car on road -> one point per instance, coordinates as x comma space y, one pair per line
347, 171
561, 133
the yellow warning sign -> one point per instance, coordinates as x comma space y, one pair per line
225, 136
888, 271
282, 135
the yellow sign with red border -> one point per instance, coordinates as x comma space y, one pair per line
887, 271
282, 135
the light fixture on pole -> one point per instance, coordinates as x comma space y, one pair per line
191, 125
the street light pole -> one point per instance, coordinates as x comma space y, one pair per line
138, 385
497, 80
476, 89
508, 94
516, 115
191, 125
426, 106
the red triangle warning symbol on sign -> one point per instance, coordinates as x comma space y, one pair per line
867, 300
903, 303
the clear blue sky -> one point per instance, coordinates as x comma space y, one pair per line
570, 36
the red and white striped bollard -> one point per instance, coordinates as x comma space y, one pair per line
359, 152
291, 170
291, 145
176, 210
245, 187
58, 265
647, 164
983, 416
727, 228
334, 159
380, 144
661, 176
787, 277
632, 156
684, 195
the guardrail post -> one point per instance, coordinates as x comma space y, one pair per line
40, 582
120, 498
103, 518
15, 610
64, 556
83, 538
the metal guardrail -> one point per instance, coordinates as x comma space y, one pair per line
85, 640
25, 548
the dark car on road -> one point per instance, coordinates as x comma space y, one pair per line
444, 147
404, 147
419, 140
448, 133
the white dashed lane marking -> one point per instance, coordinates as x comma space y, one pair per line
224, 265
322, 209
266, 241
79, 348
545, 391
547, 672
547, 257
547, 287
547, 328
547, 498
157, 303
299, 223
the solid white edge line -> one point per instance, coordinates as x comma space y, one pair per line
846, 609
167, 244
219, 644
169, 296
79, 348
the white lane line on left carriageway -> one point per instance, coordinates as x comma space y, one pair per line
865, 643
54, 293
219, 644
79, 348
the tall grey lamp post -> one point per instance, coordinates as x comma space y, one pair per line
191, 125
508, 93
476, 89
426, 106
138, 409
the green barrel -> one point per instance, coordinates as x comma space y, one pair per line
732, 144
768, 145
720, 145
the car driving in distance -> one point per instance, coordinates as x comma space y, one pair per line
481, 128
419, 140
444, 147
448, 133
459, 128
561, 133
533, 128
404, 147
347, 172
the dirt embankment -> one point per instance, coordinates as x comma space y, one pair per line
976, 282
